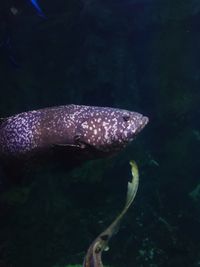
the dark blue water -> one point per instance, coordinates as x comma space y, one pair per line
139, 55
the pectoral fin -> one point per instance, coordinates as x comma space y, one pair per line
77, 145
66, 146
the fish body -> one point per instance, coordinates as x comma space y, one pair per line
93, 257
83, 128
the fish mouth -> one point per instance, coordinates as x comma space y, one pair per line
136, 127
142, 123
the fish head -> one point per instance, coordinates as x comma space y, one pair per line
109, 129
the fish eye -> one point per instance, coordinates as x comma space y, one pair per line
126, 117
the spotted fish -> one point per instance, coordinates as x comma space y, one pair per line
83, 128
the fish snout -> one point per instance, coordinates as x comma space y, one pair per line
142, 122
136, 125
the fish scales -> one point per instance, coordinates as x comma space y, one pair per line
82, 127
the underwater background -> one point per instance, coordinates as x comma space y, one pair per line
141, 55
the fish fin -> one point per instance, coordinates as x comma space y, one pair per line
132, 185
67, 145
